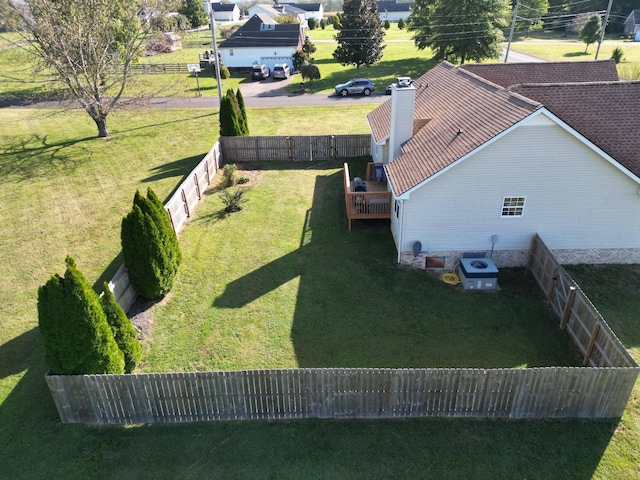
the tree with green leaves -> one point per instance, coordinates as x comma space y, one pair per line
459, 30
122, 329
401, 24
90, 46
530, 13
360, 34
194, 11
590, 33
76, 334
150, 247
303, 57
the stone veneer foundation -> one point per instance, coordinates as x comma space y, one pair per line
519, 258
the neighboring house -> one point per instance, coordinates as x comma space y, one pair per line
632, 25
274, 11
393, 11
293, 11
224, 12
311, 10
475, 166
263, 8
261, 40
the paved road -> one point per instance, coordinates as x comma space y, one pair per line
517, 57
270, 101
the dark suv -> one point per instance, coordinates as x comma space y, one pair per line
260, 72
362, 86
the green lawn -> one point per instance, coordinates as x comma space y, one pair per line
551, 47
284, 284
64, 192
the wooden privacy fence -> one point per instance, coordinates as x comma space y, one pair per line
551, 392
185, 198
592, 335
294, 148
145, 68
179, 207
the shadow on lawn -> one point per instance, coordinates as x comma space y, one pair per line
35, 156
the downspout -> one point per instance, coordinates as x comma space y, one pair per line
400, 239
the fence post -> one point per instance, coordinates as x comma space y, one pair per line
552, 287
206, 169
592, 342
173, 225
567, 307
289, 154
195, 179
532, 252
186, 204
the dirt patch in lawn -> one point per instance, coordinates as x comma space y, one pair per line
141, 316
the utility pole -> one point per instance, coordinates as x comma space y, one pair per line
604, 27
513, 27
212, 23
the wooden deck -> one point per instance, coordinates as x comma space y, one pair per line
374, 203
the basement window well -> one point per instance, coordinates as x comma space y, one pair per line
512, 206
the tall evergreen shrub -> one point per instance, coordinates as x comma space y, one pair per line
122, 329
150, 247
74, 327
229, 121
242, 114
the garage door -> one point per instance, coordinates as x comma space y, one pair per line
273, 61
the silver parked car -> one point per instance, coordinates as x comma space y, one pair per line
362, 86
281, 71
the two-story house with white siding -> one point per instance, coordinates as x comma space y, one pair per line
262, 40
477, 159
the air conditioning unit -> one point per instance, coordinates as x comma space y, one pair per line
477, 274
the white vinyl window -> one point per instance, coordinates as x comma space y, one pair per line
512, 207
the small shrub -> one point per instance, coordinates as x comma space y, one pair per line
228, 175
401, 24
323, 24
233, 201
310, 72
387, 25
330, 20
243, 180
617, 54
224, 71
313, 23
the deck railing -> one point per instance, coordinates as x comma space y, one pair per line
369, 204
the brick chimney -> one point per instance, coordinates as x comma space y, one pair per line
401, 128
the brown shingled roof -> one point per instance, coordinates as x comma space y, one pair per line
508, 74
605, 113
451, 100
